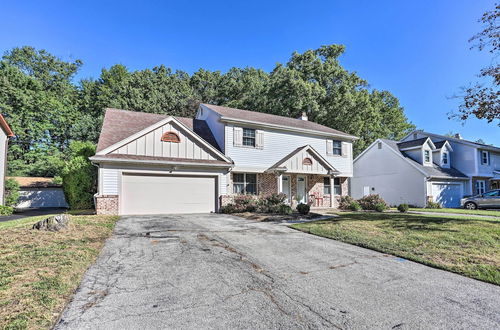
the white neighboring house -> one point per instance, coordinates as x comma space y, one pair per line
479, 162
413, 171
5, 134
152, 164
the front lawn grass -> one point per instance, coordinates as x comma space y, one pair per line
492, 213
39, 270
463, 245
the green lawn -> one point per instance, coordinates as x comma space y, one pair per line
40, 270
494, 213
465, 245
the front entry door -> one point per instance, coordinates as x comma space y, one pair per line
301, 189
285, 184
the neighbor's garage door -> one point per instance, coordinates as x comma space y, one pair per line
155, 194
448, 195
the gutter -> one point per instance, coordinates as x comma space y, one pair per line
157, 162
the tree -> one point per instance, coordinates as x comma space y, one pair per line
482, 99
39, 101
79, 176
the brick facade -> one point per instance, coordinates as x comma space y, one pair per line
268, 184
106, 204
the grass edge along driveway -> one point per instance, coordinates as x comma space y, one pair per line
467, 246
492, 213
39, 270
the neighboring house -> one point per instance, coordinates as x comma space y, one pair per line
425, 167
37, 192
151, 163
5, 134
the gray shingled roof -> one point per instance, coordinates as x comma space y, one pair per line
432, 171
119, 124
266, 118
440, 144
412, 143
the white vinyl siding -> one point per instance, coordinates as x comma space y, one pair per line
150, 144
279, 144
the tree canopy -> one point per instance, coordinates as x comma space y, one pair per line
47, 109
482, 99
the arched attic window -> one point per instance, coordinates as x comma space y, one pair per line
307, 161
170, 137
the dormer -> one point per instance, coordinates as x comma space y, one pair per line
441, 154
420, 150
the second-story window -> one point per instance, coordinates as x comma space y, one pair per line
485, 157
337, 148
445, 158
249, 137
427, 156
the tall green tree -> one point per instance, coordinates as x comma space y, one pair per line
40, 103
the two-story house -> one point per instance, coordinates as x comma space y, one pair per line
426, 167
151, 164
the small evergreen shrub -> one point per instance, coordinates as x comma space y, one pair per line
245, 203
227, 209
285, 209
354, 206
380, 207
11, 193
432, 205
271, 203
303, 208
6, 210
345, 202
370, 202
403, 208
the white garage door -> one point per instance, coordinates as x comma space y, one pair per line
156, 194
448, 195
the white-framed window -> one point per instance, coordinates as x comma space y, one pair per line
249, 137
337, 147
337, 188
427, 156
480, 187
485, 157
445, 158
327, 188
245, 183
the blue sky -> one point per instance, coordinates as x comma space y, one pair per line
417, 50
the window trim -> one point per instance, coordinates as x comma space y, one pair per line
254, 137
487, 154
483, 188
445, 158
338, 148
427, 156
245, 184
327, 188
337, 186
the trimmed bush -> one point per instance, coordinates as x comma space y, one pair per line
271, 203
432, 205
354, 206
245, 203
6, 210
370, 202
303, 208
403, 208
285, 209
345, 202
79, 176
229, 208
11, 193
380, 207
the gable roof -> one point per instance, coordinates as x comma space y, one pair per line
312, 151
120, 124
6, 128
269, 119
415, 143
463, 141
431, 171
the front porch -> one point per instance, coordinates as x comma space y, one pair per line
318, 191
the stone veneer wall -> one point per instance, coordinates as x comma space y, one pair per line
106, 204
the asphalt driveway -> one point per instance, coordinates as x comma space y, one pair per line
218, 271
